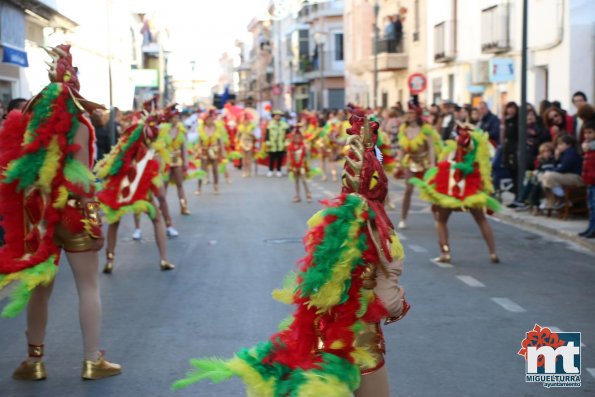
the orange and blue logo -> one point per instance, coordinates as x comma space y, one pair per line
552, 358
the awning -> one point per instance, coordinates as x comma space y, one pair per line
15, 57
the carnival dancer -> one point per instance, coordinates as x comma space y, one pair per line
275, 142
346, 284
211, 138
329, 146
461, 181
245, 140
176, 146
131, 178
299, 164
47, 204
418, 142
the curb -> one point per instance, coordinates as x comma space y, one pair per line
541, 229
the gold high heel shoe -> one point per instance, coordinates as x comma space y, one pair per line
31, 369
99, 369
334, 175
494, 258
444, 254
184, 207
165, 265
109, 265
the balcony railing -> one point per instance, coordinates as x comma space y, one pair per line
330, 62
444, 41
495, 29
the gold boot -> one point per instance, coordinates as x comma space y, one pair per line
31, 369
184, 207
109, 266
165, 265
444, 254
100, 368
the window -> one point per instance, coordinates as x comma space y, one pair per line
338, 46
451, 87
304, 44
385, 100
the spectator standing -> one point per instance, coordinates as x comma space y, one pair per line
589, 175
398, 33
578, 100
448, 120
536, 135
390, 35
585, 113
510, 144
489, 122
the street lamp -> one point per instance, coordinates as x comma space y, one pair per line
320, 39
376, 12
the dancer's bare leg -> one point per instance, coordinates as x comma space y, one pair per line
137, 221
215, 169
296, 179
374, 384
442, 216
84, 268
323, 166
37, 315
178, 177
406, 197
160, 237
205, 168
486, 229
112, 236
164, 207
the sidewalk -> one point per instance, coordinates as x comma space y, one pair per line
567, 230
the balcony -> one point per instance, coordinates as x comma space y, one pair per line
444, 41
310, 13
495, 35
391, 55
332, 67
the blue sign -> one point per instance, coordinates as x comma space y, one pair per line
14, 56
501, 70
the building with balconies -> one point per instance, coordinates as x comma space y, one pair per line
324, 67
400, 49
474, 51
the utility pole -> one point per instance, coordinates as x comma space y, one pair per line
321, 56
376, 12
111, 124
522, 143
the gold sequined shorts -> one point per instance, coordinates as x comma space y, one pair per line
91, 238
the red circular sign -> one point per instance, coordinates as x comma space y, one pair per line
417, 83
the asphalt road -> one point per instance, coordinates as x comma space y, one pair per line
460, 339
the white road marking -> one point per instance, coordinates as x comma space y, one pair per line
471, 281
556, 329
509, 305
440, 264
327, 192
402, 237
417, 248
591, 371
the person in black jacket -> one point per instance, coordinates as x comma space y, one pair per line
510, 144
489, 122
567, 172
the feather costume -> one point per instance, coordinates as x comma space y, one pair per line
462, 177
316, 352
42, 183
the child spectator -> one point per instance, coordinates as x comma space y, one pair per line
532, 190
589, 175
567, 172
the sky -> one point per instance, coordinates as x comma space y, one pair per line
202, 30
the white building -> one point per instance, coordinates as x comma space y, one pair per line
474, 50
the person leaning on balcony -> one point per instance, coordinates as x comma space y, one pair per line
275, 142
398, 32
390, 35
